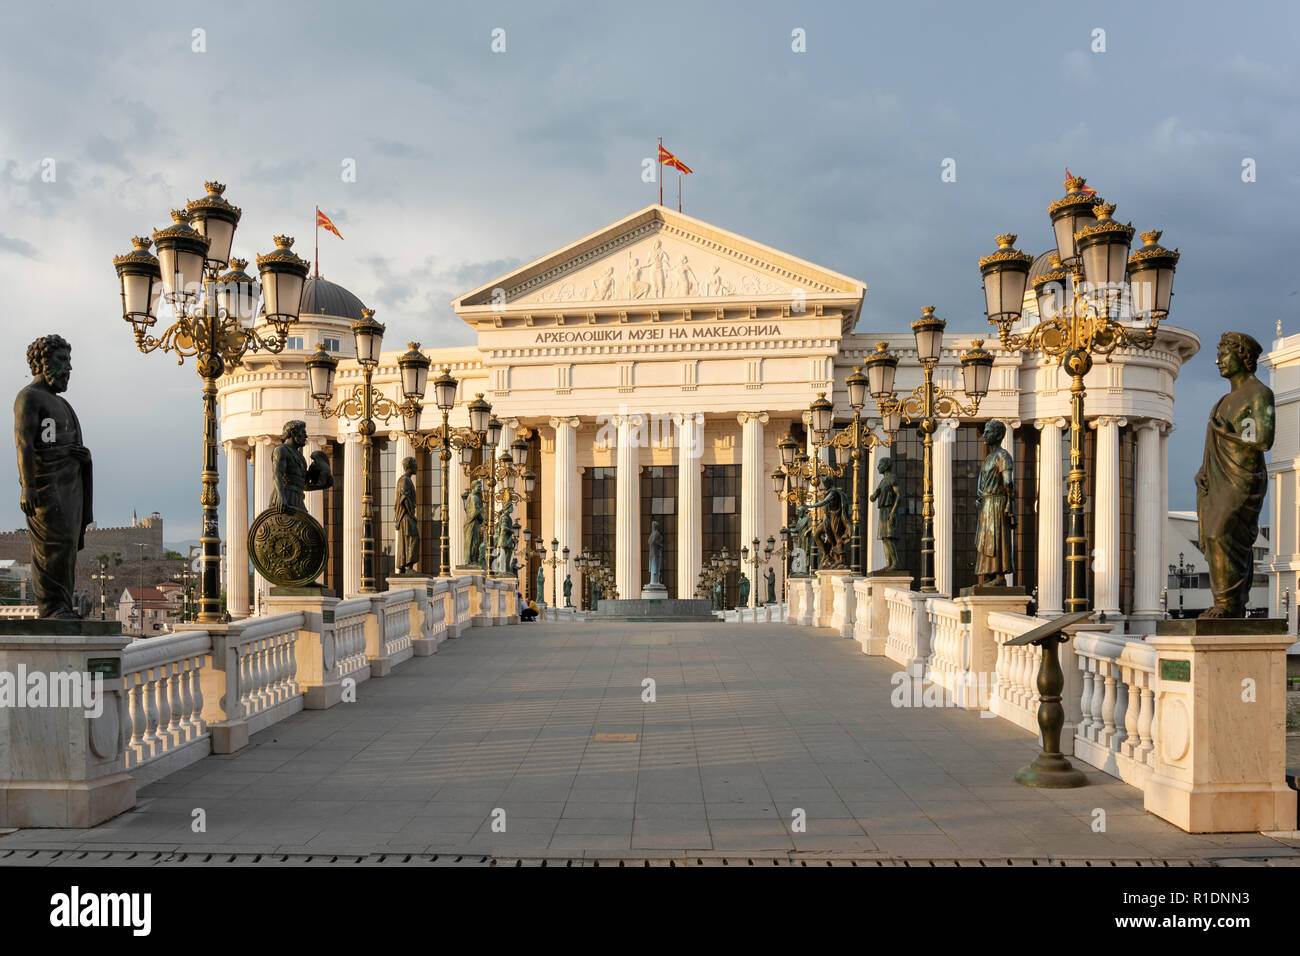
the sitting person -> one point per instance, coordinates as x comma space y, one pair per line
529, 612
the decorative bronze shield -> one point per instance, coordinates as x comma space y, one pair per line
287, 547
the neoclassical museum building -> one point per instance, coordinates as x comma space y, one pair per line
652, 367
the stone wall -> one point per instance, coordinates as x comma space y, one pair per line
15, 545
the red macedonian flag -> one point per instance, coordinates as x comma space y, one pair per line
668, 159
324, 221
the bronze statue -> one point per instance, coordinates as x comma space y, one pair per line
743, 599
801, 535
994, 534
568, 590
771, 586
286, 544
290, 476
55, 473
887, 498
655, 546
405, 525
832, 532
473, 526
1232, 481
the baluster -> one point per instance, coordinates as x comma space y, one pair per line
1121, 710
245, 669
196, 691
1098, 699
275, 658
1146, 716
150, 712
1107, 707
1133, 705
185, 725
291, 663
138, 720
1084, 729
178, 714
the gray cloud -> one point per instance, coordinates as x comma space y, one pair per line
470, 163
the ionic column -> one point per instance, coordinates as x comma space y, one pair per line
751, 484
236, 498
690, 528
1051, 529
1149, 571
627, 539
564, 485
352, 487
944, 440
1105, 549
315, 500
262, 478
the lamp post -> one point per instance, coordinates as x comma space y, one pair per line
858, 438
103, 577
927, 403
1183, 571
509, 468
363, 405
215, 321
756, 557
806, 473
414, 367
1088, 303
559, 558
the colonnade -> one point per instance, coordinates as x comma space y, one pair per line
563, 485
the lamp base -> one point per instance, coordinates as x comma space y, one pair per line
1051, 772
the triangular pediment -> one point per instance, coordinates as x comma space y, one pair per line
659, 256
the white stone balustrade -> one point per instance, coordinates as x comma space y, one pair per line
945, 665
1117, 727
164, 725
908, 642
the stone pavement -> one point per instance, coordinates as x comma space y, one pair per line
751, 724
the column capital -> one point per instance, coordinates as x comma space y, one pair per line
571, 420
682, 418
1042, 423
1012, 423
231, 444
1105, 421
349, 438
630, 419
744, 417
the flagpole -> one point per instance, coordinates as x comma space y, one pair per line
679, 191
659, 160
318, 242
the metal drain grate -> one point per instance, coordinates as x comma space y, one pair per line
81, 857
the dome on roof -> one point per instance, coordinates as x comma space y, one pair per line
1042, 263
321, 297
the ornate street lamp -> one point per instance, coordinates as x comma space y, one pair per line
415, 371
364, 404
214, 320
926, 404
859, 438
1089, 302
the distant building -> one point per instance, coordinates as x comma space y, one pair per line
1283, 504
1188, 591
159, 607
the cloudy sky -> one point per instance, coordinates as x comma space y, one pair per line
470, 161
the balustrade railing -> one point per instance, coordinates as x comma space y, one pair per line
946, 664
164, 699
1117, 730
350, 638
1015, 693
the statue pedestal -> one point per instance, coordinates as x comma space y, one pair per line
428, 620
58, 766
1220, 758
824, 597
872, 625
315, 652
799, 592
972, 687
654, 592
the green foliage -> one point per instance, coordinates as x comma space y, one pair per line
170, 555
